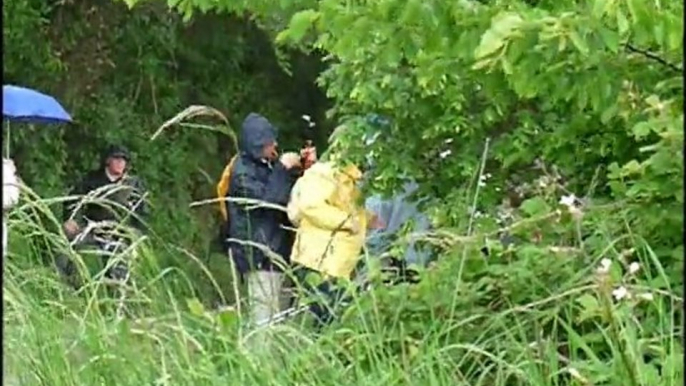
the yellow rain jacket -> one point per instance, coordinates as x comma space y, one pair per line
331, 224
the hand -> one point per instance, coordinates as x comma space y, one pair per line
290, 160
71, 228
308, 155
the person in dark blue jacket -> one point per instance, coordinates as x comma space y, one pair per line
256, 232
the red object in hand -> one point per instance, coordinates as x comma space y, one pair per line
308, 155
377, 223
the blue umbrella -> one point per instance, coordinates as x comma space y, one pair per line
20, 104
26, 105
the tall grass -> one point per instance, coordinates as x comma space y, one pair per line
471, 321
56, 336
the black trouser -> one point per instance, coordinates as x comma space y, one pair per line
326, 296
67, 267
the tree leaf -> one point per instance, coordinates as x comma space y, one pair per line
506, 65
675, 34
599, 8
632, 167
610, 38
578, 42
608, 114
642, 129
298, 26
535, 206
494, 38
622, 22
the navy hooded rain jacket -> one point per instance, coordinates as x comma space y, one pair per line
255, 178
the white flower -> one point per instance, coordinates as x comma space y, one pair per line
620, 293
646, 296
634, 267
448, 141
445, 153
482, 184
604, 266
568, 201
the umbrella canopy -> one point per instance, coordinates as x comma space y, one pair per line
26, 105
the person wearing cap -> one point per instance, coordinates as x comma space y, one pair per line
119, 196
114, 170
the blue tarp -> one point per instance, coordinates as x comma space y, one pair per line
395, 213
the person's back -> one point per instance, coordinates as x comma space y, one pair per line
331, 226
331, 229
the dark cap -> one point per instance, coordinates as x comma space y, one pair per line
116, 151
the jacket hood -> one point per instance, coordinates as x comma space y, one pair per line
256, 132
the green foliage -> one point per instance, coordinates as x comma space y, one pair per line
589, 87
538, 314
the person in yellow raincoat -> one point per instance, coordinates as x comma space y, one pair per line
327, 209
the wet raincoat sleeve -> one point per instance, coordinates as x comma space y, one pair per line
10, 184
10, 194
274, 191
310, 199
